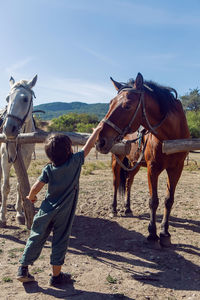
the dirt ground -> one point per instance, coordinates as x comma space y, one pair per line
110, 258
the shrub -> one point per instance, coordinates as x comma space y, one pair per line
74, 122
193, 119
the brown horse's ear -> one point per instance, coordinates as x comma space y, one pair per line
139, 81
116, 84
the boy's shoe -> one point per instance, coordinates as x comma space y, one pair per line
23, 274
60, 279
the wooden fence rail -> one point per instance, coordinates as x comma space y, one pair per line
182, 145
76, 138
40, 136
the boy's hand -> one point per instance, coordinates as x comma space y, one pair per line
32, 200
99, 127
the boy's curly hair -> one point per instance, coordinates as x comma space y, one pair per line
58, 148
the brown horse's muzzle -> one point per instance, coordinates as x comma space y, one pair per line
104, 145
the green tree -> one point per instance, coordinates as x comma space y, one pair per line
191, 101
191, 105
193, 119
84, 128
74, 122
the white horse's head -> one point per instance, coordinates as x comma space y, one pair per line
20, 106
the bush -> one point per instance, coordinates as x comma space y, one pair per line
74, 122
193, 119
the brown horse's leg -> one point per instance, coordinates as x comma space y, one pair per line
173, 178
127, 204
116, 181
153, 203
129, 182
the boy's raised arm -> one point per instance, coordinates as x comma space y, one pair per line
92, 139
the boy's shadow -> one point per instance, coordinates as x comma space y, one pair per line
69, 292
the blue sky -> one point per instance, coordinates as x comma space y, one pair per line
75, 46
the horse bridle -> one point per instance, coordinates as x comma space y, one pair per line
123, 132
21, 121
28, 110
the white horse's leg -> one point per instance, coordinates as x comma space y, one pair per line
5, 188
19, 209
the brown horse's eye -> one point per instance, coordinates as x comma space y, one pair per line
25, 99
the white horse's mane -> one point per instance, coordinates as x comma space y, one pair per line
25, 84
22, 82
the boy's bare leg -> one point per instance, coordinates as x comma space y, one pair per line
59, 277
56, 270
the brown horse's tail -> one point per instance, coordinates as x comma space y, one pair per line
123, 177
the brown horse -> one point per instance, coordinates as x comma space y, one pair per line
156, 109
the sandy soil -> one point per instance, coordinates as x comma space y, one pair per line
110, 258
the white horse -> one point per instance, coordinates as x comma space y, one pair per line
18, 120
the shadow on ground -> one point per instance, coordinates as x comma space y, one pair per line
71, 293
108, 242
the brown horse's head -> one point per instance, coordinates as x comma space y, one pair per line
137, 103
121, 111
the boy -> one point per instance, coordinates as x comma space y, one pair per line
57, 211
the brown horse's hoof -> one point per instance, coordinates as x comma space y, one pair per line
153, 242
165, 240
128, 213
20, 220
2, 224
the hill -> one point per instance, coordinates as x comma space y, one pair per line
56, 109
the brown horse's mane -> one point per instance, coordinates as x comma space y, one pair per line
163, 95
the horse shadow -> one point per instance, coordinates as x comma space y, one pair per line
106, 241
70, 293
187, 224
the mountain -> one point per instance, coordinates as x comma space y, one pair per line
56, 109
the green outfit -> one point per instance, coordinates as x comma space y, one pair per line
56, 212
